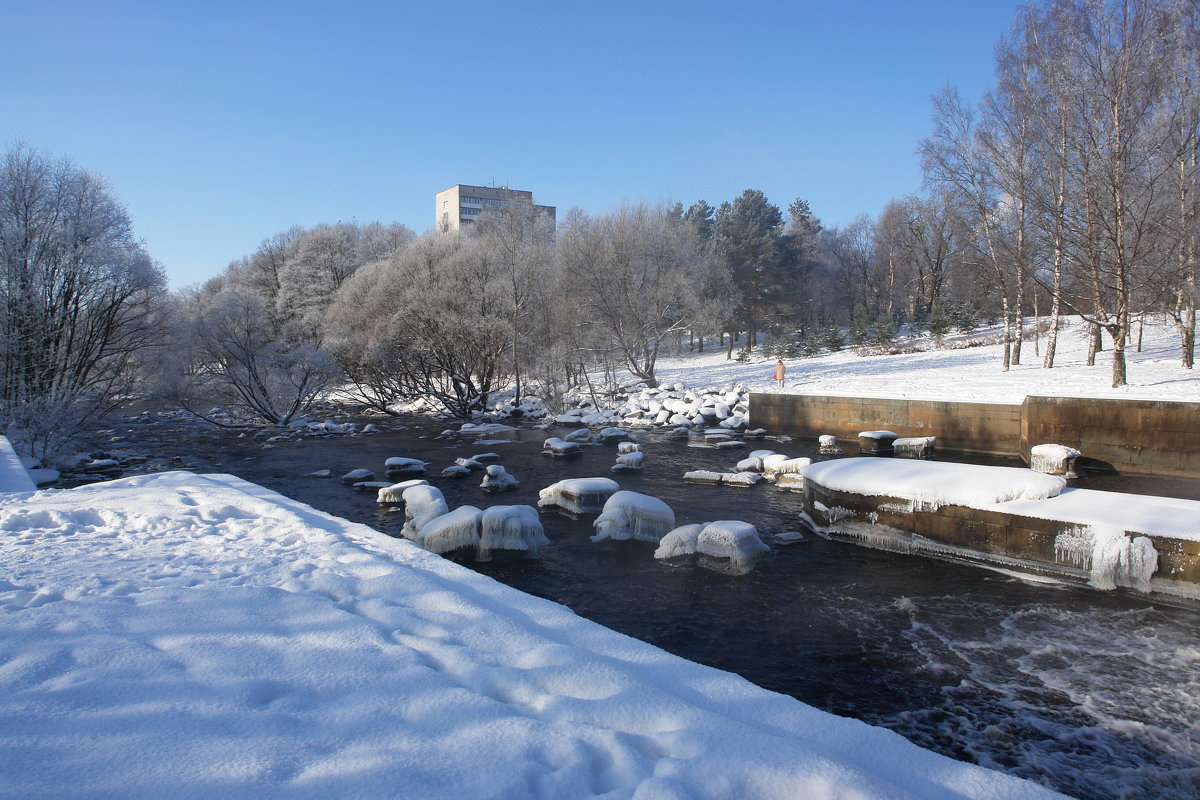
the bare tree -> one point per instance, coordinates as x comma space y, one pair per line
78, 299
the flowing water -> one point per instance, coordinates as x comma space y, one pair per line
1093, 694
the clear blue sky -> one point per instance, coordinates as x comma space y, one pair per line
221, 123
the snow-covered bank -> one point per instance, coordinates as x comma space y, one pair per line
198, 636
966, 374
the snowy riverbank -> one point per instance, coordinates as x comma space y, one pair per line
199, 636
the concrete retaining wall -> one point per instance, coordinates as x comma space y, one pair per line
1143, 436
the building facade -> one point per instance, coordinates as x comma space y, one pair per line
461, 204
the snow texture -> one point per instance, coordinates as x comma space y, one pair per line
578, 495
407, 466
631, 515
1168, 517
679, 542
737, 541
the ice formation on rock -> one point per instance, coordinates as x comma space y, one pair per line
629, 462
583, 436
612, 435
1110, 556
395, 493
914, 446
455, 471
737, 541
560, 447
497, 479
469, 463
404, 466
422, 504
1053, 459
578, 495
511, 528
630, 515
828, 444
451, 531
486, 458
679, 542
773, 468
628, 447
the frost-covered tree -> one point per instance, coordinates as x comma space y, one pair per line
639, 276
425, 323
78, 299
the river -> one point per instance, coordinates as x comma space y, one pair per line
1095, 694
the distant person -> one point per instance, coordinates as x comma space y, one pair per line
779, 370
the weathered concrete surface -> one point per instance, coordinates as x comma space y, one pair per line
1144, 436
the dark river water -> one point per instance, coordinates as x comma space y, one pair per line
1095, 694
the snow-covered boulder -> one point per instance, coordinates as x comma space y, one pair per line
403, 466
737, 541
455, 471
612, 435
559, 447
422, 504
828, 444
578, 495
679, 542
394, 494
497, 479
452, 531
773, 468
914, 446
511, 528
468, 463
630, 515
629, 462
357, 476
1054, 459
486, 458
582, 436
876, 441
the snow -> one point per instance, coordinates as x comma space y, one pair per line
399, 464
559, 447
931, 484
630, 462
632, 515
1055, 459
1170, 517
966, 374
189, 636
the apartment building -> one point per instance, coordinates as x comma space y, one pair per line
462, 204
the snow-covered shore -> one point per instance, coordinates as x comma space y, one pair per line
964, 374
198, 636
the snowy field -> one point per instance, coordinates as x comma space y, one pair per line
189, 636
967, 374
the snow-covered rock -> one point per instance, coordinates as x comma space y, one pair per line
468, 463
581, 436
629, 462
357, 476
422, 504
511, 528
454, 530
1053, 459
679, 542
404, 466
497, 479
630, 515
914, 446
560, 447
394, 494
773, 468
578, 495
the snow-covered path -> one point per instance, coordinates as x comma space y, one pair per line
198, 636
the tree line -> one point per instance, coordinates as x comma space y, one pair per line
1069, 188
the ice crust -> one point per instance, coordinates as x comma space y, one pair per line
451, 531
511, 528
422, 504
497, 479
395, 492
578, 495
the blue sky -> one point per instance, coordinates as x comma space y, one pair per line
221, 123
